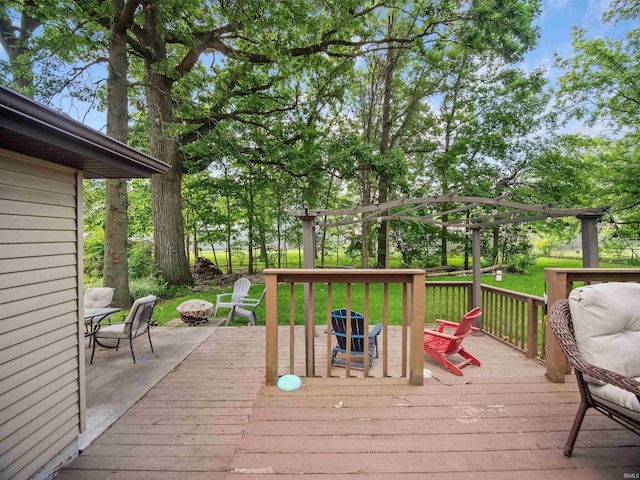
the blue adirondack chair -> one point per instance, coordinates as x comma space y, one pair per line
339, 326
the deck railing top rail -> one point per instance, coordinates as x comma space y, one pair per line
512, 294
594, 274
340, 275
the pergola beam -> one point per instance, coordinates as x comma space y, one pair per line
470, 224
545, 209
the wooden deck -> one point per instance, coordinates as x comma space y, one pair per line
211, 418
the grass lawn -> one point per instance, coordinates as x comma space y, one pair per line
531, 283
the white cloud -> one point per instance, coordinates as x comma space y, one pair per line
557, 5
599, 129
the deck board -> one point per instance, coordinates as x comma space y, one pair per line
211, 417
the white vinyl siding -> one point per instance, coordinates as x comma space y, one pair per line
40, 367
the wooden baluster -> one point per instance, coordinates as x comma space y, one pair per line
329, 327
348, 332
385, 330
292, 327
404, 329
366, 330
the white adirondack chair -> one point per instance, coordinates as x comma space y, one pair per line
246, 309
228, 300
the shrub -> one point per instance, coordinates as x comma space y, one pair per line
519, 263
141, 260
94, 254
634, 261
141, 287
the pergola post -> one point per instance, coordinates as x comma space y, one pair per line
477, 285
589, 227
309, 248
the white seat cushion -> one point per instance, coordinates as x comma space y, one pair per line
606, 322
117, 331
99, 297
616, 397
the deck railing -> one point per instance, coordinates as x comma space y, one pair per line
512, 317
560, 282
515, 318
447, 300
412, 316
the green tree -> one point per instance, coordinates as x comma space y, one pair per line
601, 86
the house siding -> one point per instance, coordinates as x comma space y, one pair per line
41, 399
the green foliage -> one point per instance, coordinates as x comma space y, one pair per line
141, 263
520, 262
157, 286
94, 254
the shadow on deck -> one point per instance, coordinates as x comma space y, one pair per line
211, 418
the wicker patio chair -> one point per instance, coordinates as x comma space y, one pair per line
598, 329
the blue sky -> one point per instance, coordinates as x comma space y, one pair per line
556, 24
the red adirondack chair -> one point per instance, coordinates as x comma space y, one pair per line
441, 345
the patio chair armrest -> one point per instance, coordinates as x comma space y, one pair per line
353, 335
435, 333
248, 302
119, 323
447, 323
376, 330
562, 327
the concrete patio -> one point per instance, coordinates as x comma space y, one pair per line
114, 383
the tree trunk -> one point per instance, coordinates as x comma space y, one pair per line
444, 246
116, 218
279, 225
116, 221
196, 250
263, 243
467, 246
495, 244
445, 162
171, 260
16, 45
366, 200
383, 186
228, 228
250, 223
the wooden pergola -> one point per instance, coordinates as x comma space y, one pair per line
480, 212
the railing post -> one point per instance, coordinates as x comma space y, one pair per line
477, 274
271, 347
416, 363
556, 361
532, 328
589, 227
